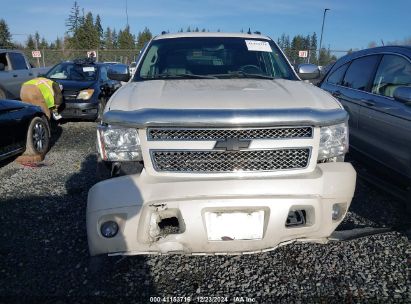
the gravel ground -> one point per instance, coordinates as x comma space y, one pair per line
44, 255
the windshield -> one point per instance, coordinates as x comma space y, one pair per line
71, 71
213, 57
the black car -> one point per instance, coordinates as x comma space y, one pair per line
24, 129
86, 87
374, 86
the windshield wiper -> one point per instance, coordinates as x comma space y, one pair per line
241, 74
181, 75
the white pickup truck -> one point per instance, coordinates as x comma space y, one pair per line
233, 152
15, 69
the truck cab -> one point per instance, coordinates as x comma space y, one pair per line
15, 69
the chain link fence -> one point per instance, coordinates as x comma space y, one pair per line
312, 56
52, 57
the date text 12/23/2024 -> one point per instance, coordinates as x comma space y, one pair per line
202, 299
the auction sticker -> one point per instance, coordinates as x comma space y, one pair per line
88, 69
258, 45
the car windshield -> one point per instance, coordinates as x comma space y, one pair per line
71, 71
213, 57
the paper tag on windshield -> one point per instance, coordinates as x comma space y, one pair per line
258, 45
88, 69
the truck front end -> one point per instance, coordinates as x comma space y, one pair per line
218, 177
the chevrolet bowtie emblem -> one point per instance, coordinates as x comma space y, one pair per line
232, 144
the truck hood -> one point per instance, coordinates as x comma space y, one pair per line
221, 94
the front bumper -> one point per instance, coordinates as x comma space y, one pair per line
87, 110
133, 201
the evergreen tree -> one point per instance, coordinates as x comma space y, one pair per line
126, 39
188, 29
143, 37
196, 30
58, 44
326, 57
37, 39
298, 43
73, 21
86, 36
115, 39
30, 44
66, 41
99, 29
108, 39
313, 47
5, 36
43, 44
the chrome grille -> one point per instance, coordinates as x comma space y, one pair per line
232, 161
172, 134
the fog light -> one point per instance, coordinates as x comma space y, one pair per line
109, 229
336, 212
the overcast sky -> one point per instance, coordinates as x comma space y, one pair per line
349, 23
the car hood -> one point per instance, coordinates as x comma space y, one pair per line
8, 105
75, 85
221, 94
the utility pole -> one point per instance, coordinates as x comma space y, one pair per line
37, 48
126, 13
321, 38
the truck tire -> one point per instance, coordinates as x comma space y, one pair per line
38, 137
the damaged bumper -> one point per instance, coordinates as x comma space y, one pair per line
218, 216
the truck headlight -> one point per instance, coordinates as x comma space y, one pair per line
85, 94
333, 141
118, 143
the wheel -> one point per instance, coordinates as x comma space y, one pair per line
38, 137
2, 94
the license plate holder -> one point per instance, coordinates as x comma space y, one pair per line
234, 225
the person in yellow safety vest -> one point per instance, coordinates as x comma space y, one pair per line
44, 93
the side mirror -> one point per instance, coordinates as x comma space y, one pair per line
2, 67
308, 71
113, 75
403, 94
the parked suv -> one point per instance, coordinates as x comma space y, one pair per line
86, 87
374, 86
236, 153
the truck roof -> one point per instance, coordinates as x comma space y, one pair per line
210, 34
